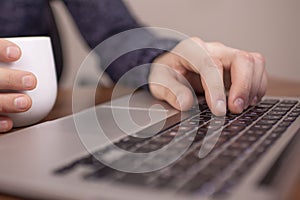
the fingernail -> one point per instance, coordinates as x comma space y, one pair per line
13, 52
3, 125
28, 81
220, 108
239, 104
254, 101
21, 103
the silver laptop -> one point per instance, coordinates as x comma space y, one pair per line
136, 147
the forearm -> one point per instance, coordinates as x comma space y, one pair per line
132, 52
101, 22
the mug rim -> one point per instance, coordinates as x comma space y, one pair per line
28, 38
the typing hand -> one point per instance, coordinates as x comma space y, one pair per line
210, 68
13, 80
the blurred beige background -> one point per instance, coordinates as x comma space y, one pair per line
268, 26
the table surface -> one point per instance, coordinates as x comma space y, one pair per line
63, 107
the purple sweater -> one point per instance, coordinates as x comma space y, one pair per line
97, 20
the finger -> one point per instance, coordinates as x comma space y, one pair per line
6, 124
218, 108
197, 58
228, 57
259, 68
9, 51
11, 79
165, 85
13, 103
241, 78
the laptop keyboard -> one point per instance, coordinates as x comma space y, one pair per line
242, 140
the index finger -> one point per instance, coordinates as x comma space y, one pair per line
196, 58
9, 51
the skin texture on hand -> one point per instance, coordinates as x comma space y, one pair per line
13, 80
209, 68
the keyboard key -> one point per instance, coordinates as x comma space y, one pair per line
185, 129
196, 183
297, 110
293, 102
194, 123
149, 147
285, 124
293, 114
272, 117
197, 138
279, 130
259, 109
289, 119
234, 128
260, 127
266, 143
263, 105
267, 122
190, 159
169, 134
282, 109
285, 105
249, 138
270, 101
161, 141
231, 153
278, 113
231, 116
240, 122
211, 127
255, 132
228, 134
274, 135
221, 162
239, 145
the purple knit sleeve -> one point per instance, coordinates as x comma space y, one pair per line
98, 20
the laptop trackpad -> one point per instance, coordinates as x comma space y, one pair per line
104, 125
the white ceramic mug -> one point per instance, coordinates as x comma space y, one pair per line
37, 57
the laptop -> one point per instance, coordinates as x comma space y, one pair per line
136, 147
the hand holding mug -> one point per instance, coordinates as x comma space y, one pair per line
27, 81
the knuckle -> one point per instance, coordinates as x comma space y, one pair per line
260, 58
245, 56
194, 38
